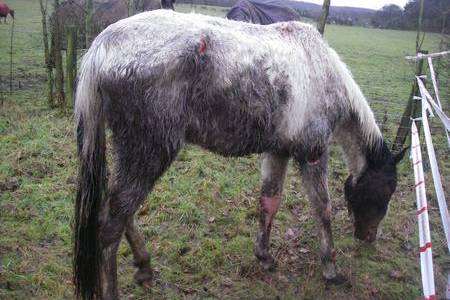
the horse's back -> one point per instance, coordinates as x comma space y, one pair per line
165, 36
255, 85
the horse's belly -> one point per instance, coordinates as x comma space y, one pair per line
231, 137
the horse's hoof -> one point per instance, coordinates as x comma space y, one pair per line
265, 259
267, 263
339, 279
144, 277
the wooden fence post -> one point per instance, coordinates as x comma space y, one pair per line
323, 17
419, 27
132, 8
11, 57
48, 65
127, 3
89, 8
71, 61
413, 106
59, 74
136, 7
1, 93
411, 110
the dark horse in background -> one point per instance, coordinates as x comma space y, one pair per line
258, 12
5, 11
160, 80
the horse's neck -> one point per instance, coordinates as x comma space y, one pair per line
349, 136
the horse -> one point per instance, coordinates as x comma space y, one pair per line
4, 11
161, 79
261, 13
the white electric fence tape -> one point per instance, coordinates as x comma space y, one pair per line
426, 258
436, 89
427, 103
445, 120
445, 217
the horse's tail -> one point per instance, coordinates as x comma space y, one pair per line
92, 183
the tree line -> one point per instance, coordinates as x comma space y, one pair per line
436, 16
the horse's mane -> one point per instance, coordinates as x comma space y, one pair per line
358, 105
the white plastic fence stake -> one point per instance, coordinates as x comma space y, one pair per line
426, 257
436, 93
447, 292
445, 217
420, 56
433, 79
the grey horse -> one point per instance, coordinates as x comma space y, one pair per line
162, 79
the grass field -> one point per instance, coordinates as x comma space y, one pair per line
201, 220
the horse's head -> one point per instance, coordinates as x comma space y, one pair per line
368, 195
11, 12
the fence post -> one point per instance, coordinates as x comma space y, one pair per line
70, 62
1, 94
48, 65
89, 8
11, 57
411, 110
59, 74
323, 17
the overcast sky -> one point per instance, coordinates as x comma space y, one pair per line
374, 4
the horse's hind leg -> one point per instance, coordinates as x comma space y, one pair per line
273, 174
316, 184
141, 256
138, 167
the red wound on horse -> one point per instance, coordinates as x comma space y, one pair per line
202, 47
270, 204
314, 162
286, 30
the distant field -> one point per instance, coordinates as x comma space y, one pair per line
202, 9
201, 219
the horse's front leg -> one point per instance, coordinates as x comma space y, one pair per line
273, 174
316, 184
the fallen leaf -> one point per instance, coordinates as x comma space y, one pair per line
395, 274
227, 282
290, 233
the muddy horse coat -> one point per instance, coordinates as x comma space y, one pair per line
162, 79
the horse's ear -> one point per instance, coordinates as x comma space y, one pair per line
399, 156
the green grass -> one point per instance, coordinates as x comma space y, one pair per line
200, 221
